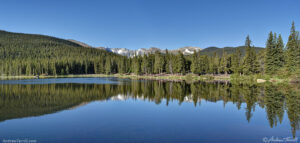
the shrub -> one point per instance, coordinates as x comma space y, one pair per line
189, 77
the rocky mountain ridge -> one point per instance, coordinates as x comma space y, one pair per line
152, 50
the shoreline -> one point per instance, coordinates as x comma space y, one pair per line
165, 77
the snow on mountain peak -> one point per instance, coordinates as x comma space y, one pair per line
143, 51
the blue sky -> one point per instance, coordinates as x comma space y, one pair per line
164, 24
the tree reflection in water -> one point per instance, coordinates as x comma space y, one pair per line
17, 101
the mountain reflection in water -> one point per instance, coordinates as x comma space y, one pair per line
25, 100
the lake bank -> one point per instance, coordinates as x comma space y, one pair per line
170, 77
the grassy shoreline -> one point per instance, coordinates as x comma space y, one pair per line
167, 77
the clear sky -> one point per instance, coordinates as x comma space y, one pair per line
164, 24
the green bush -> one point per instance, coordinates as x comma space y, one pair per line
295, 77
189, 77
283, 73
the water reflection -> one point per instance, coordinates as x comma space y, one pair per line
24, 100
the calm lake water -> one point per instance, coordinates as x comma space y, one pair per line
112, 110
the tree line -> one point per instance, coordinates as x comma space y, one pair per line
274, 58
25, 54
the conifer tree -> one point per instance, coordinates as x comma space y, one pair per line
211, 65
171, 59
280, 47
147, 64
169, 63
108, 66
159, 62
274, 54
247, 59
204, 65
96, 65
180, 63
223, 64
292, 50
28, 69
144, 64
255, 64
196, 60
236, 62
193, 65
270, 53
250, 65
122, 65
216, 64
136, 63
53, 68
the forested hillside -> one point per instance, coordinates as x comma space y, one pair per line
29, 54
210, 51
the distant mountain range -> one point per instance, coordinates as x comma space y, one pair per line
185, 50
131, 53
143, 51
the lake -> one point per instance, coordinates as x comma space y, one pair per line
112, 110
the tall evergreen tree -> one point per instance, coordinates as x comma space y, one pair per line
280, 47
250, 65
108, 65
274, 58
247, 59
270, 53
292, 50
122, 65
147, 64
159, 62
204, 64
180, 63
193, 65
196, 60
216, 63
169, 62
255, 64
136, 65
236, 62
28, 69
223, 64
